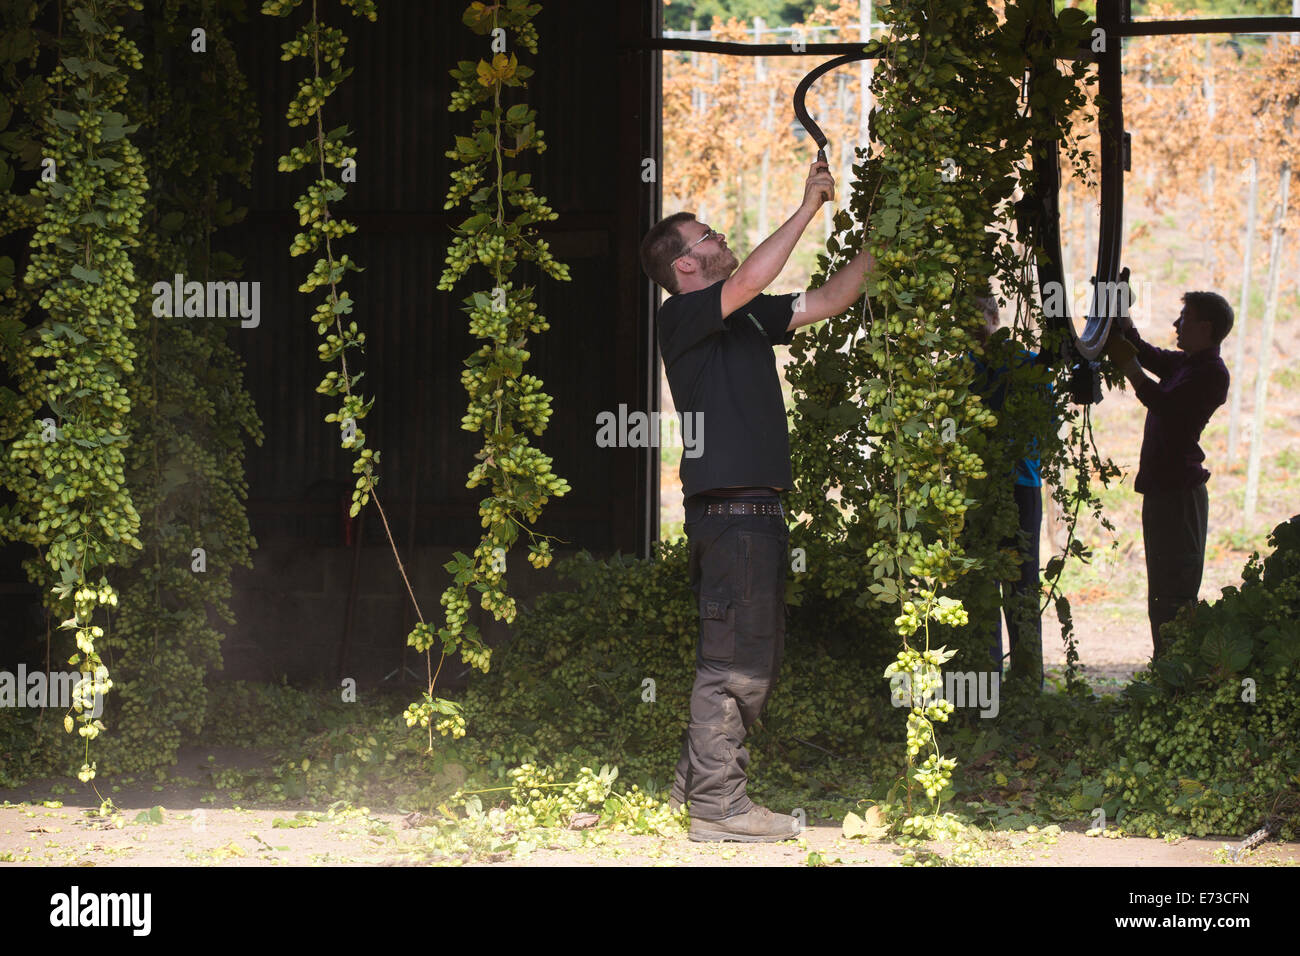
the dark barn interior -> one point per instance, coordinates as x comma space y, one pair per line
323, 582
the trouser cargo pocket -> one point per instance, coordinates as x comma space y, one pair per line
717, 627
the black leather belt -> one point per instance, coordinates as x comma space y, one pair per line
744, 508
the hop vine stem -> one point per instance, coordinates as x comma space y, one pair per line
501, 212
346, 378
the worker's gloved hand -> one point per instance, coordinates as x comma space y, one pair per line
1119, 349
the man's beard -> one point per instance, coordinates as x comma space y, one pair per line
720, 265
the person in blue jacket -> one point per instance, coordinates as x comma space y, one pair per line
1020, 596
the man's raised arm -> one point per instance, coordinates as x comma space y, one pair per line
840, 290
765, 263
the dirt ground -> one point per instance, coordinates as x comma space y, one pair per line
197, 828
194, 835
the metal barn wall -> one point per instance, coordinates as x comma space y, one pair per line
592, 358
598, 108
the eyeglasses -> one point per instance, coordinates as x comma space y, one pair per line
708, 235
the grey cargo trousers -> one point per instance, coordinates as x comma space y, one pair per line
737, 569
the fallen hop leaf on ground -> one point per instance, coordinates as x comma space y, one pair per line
871, 825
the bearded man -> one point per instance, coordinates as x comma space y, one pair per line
717, 331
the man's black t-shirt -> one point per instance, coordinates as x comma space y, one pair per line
723, 374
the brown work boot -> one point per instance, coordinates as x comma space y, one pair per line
758, 825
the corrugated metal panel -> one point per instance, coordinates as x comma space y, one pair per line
395, 104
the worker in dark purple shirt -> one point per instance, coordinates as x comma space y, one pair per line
1171, 475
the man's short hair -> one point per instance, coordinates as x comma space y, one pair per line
661, 247
1213, 308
